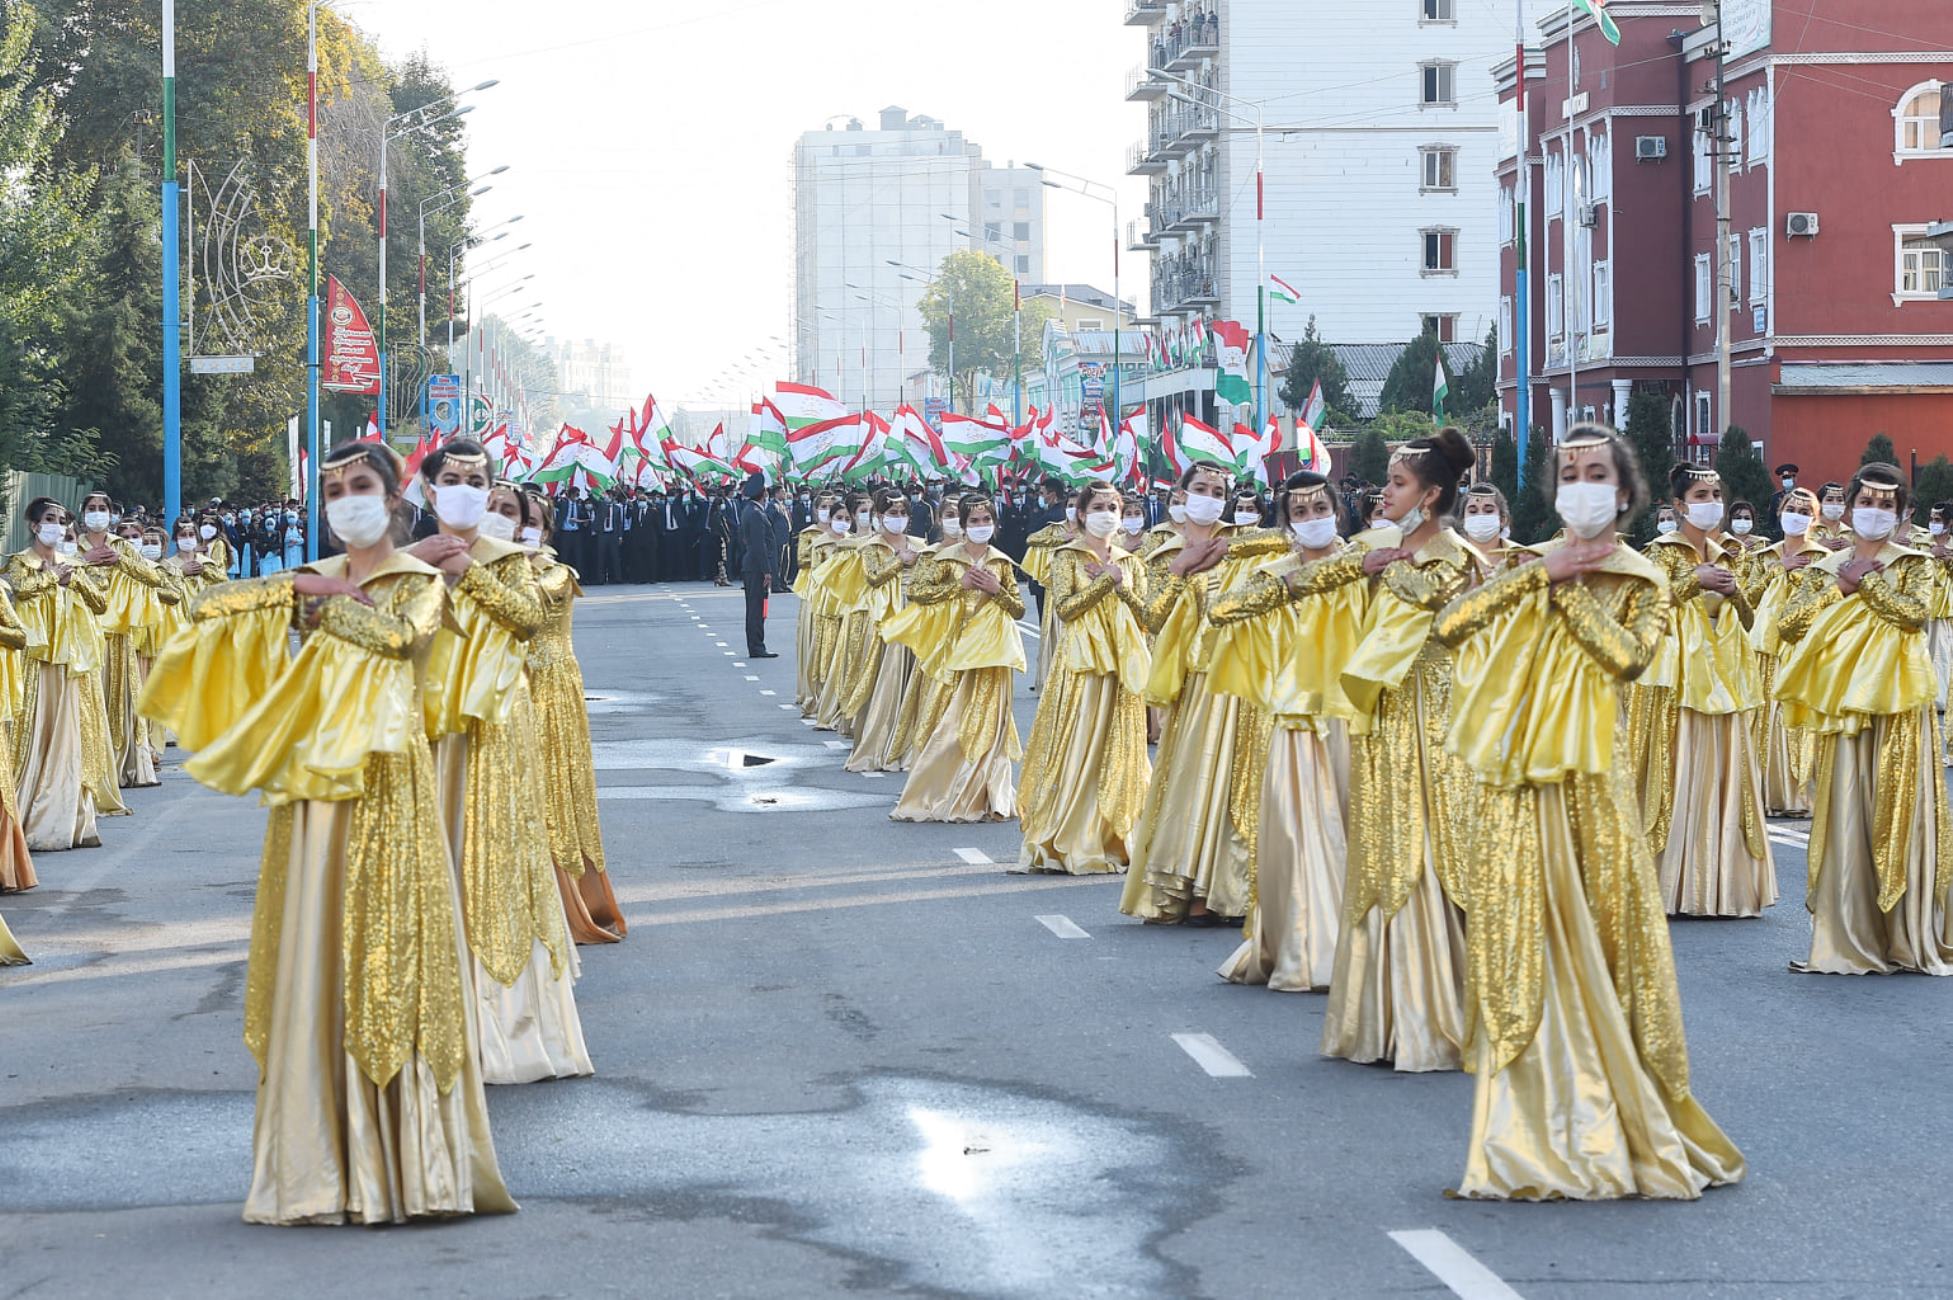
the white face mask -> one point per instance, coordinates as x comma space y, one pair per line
1101, 524
952, 528
820, 516
895, 525
1789, 483
982, 533
499, 527
188, 544
151, 551
1205, 510
1314, 534
1132, 524
1872, 524
1411, 522
532, 537
67, 548
1247, 518
49, 534
840, 525
460, 505
1833, 510
1741, 527
861, 519
359, 521
1178, 514
1665, 526
1936, 528
1587, 509
1795, 525
95, 521
1481, 528
1705, 514
207, 531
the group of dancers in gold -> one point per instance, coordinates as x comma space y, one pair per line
433, 853
1456, 784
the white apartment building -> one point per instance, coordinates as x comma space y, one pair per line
592, 374
1380, 137
875, 212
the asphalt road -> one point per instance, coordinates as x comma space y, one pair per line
840, 1055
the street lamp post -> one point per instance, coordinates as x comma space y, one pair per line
172, 307
448, 198
1085, 186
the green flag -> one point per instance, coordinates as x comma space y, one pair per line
1439, 390
1597, 10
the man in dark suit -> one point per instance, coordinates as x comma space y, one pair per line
759, 568
781, 522
572, 527
675, 540
607, 532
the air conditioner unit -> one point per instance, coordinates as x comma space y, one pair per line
1705, 120
1589, 215
1801, 223
1650, 148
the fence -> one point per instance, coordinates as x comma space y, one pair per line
17, 489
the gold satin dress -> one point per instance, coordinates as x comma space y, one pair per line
11, 953
370, 1106
481, 719
1038, 548
566, 777
1085, 765
808, 551
882, 679
1785, 750
132, 588
968, 640
843, 632
16, 862
55, 797
923, 690
1581, 1072
1397, 991
1691, 719
1284, 636
1857, 675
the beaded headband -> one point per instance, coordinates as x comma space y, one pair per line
1880, 480
341, 459
466, 460
1701, 474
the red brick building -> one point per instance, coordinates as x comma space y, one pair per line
1829, 116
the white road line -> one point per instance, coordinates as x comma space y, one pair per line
872, 776
975, 857
1063, 926
737, 664
837, 744
720, 644
769, 692
1453, 1265
727, 653
749, 676
1210, 1056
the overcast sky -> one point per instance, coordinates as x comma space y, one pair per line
649, 141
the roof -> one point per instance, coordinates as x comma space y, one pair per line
1863, 376
1372, 361
1084, 294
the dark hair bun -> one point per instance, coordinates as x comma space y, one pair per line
1456, 449
1680, 475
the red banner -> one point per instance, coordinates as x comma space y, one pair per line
350, 355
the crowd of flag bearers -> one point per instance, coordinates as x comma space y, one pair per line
1455, 784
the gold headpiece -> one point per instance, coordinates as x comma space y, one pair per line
1876, 477
343, 458
1580, 441
466, 459
1701, 473
1481, 490
1406, 452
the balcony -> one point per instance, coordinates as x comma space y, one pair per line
1142, 85
1184, 282
1141, 238
1181, 46
1143, 160
1144, 13
1185, 208
1177, 131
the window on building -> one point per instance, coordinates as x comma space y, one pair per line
1734, 108
1603, 295
1704, 420
1438, 11
1023, 264
1440, 163
1021, 197
1442, 324
996, 199
1735, 271
1760, 122
1918, 119
1020, 230
993, 232
1555, 305
1440, 252
1921, 265
1505, 325
1705, 168
1759, 266
1508, 214
1090, 323
1438, 85
1705, 287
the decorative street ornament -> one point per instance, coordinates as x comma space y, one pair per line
351, 354
238, 272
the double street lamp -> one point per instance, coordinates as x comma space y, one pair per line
1090, 189
440, 201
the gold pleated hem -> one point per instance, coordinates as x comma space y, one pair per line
1066, 827
11, 953
1716, 861
1396, 995
943, 785
57, 810
1186, 846
878, 726
1289, 944
530, 1030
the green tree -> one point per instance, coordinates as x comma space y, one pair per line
1311, 362
1505, 464
1935, 484
1476, 387
1408, 386
1534, 518
1879, 451
1651, 433
980, 293
1370, 457
1744, 477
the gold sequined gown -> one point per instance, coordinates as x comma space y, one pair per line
1284, 636
11, 953
565, 776
1785, 751
1085, 766
369, 1106
841, 635
481, 718
1581, 1071
1397, 991
16, 862
1857, 675
808, 551
922, 690
1691, 727
56, 799
1195, 838
1038, 549
963, 769
132, 587
882, 679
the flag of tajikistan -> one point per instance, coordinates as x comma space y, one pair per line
1282, 291
1439, 389
1597, 10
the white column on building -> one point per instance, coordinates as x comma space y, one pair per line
1559, 414
1623, 389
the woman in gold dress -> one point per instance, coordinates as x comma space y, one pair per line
843, 612
1487, 524
131, 584
1939, 628
482, 721
1855, 672
1830, 531
1193, 848
1283, 638
11, 953
888, 560
1576, 1045
1691, 719
565, 775
370, 1106
1779, 572
16, 862
1038, 548
1085, 770
57, 604
922, 632
810, 546
962, 770
1131, 536
1397, 991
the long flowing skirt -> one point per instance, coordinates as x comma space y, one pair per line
963, 768
1186, 846
1716, 860
128, 730
327, 1145
1290, 941
1786, 754
879, 723
1939, 644
569, 803
530, 1029
1395, 992
922, 701
805, 688
1859, 780
16, 863
11, 953
1085, 775
97, 755
831, 709
57, 808
1579, 1114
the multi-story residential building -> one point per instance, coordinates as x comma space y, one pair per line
1829, 125
875, 213
591, 375
1379, 133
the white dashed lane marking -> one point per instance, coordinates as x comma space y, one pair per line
1063, 926
975, 857
1453, 1265
1210, 1056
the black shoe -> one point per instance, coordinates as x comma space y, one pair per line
762, 654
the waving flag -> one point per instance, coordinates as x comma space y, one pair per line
1199, 443
1597, 10
1315, 408
1311, 452
1231, 384
1282, 291
801, 405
